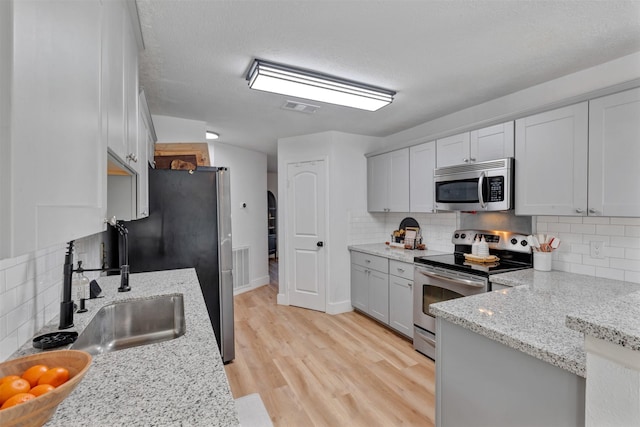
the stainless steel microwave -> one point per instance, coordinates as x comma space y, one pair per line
483, 186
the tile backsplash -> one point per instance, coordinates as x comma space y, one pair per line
376, 227
30, 291
620, 238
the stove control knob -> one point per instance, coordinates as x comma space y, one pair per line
524, 242
464, 236
456, 235
514, 241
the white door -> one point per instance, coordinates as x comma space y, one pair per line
306, 254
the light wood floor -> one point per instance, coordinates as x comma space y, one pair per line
315, 369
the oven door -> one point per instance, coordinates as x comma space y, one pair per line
435, 284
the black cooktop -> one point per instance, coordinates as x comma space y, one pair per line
456, 261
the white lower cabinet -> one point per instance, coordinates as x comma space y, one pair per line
383, 289
370, 285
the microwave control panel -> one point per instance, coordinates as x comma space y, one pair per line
496, 189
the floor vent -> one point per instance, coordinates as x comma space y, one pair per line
300, 107
241, 267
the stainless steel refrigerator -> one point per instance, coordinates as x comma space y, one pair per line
189, 225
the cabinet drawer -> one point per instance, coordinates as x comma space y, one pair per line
401, 269
370, 261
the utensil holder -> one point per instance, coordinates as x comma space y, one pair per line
542, 261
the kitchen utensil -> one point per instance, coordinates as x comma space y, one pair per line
555, 243
36, 412
530, 241
536, 242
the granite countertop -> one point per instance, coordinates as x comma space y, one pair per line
176, 382
399, 254
531, 316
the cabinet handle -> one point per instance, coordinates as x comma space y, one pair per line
367, 260
401, 270
578, 210
593, 211
410, 285
466, 160
473, 159
132, 157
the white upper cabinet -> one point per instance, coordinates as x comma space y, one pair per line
388, 182
453, 150
422, 160
493, 142
490, 143
614, 154
551, 162
58, 154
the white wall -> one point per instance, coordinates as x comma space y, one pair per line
248, 172
624, 72
174, 129
346, 192
620, 236
6, 53
30, 290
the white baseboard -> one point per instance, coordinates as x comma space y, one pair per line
283, 299
255, 283
339, 307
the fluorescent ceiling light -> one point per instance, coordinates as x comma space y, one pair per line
211, 135
285, 80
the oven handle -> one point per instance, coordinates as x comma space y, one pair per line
480, 187
458, 281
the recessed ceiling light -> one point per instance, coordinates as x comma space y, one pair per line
285, 80
211, 135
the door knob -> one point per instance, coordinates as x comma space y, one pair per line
320, 244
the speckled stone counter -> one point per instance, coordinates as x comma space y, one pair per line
616, 321
531, 315
404, 255
176, 382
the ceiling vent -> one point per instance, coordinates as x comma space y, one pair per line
301, 107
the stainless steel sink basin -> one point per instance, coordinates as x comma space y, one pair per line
131, 323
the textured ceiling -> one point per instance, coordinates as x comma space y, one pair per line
440, 56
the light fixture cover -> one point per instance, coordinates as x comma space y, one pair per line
285, 80
211, 135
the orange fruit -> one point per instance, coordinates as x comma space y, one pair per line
17, 399
34, 373
54, 376
41, 389
9, 378
11, 388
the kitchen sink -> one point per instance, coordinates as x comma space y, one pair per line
132, 323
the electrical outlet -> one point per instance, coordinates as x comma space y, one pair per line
597, 249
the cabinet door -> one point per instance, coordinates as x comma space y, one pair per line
143, 172
614, 151
493, 142
422, 163
57, 150
379, 296
113, 76
401, 304
377, 183
551, 162
453, 150
360, 288
398, 193
130, 53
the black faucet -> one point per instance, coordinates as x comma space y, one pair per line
66, 306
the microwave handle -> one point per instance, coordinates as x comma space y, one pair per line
480, 186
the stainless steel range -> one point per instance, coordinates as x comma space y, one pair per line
440, 278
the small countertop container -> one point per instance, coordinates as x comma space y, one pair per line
398, 254
533, 316
176, 382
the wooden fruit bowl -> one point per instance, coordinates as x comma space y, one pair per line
36, 412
